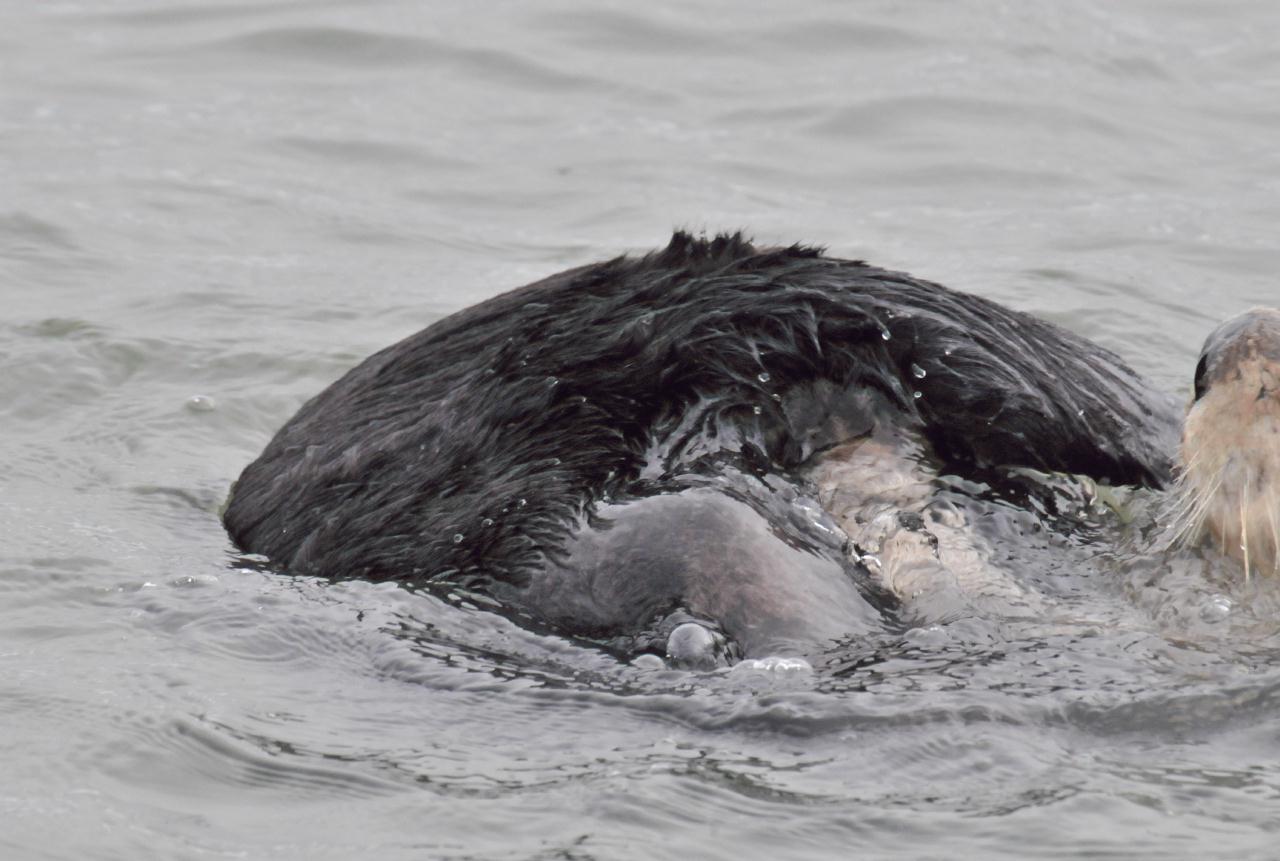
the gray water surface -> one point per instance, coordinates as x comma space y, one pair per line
208, 211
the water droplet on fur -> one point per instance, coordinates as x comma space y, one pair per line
947, 351
757, 409
884, 333
552, 382
457, 538
777, 397
917, 395
917, 371
763, 376
488, 521
200, 404
522, 503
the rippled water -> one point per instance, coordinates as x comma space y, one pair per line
210, 210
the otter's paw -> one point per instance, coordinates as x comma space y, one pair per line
694, 646
682, 641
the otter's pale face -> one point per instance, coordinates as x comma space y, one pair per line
1230, 480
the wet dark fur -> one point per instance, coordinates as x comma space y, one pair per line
507, 423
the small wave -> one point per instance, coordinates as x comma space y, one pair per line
366, 49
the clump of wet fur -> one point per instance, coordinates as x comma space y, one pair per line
1229, 484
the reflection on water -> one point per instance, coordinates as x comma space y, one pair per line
213, 210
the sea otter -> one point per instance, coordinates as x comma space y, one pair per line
1229, 481
706, 452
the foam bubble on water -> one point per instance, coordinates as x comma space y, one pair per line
931, 635
1217, 608
648, 661
774, 664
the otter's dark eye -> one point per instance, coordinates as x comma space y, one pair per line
1200, 370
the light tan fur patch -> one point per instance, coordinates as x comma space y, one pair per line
1229, 484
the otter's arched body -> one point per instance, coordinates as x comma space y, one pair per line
624, 446
1229, 481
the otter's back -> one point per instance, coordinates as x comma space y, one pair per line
471, 451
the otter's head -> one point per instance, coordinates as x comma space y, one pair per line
1229, 483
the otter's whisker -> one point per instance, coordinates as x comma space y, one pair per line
1192, 463
1275, 536
1244, 522
1189, 505
1190, 509
1192, 526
